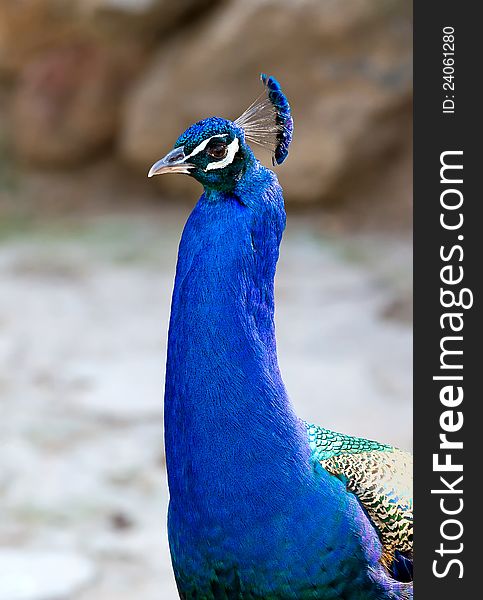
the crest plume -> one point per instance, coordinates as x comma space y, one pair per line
268, 120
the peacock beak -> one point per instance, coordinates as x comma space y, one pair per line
173, 162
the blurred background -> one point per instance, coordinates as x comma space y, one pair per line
92, 92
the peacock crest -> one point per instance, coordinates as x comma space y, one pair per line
268, 121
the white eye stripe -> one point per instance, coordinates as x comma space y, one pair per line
200, 147
230, 155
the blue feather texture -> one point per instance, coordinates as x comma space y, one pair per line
253, 513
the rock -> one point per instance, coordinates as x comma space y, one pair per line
144, 19
31, 26
346, 68
73, 62
65, 108
36, 575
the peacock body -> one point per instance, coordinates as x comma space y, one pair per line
262, 505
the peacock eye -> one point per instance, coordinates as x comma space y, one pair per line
217, 150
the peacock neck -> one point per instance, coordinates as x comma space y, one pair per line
226, 408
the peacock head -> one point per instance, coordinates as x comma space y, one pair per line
215, 151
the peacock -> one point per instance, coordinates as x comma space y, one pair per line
262, 504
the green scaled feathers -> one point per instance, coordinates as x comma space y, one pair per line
379, 475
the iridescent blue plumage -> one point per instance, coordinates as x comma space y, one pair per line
253, 512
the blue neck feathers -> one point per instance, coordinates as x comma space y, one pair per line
226, 405
244, 489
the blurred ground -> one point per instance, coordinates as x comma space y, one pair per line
84, 307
